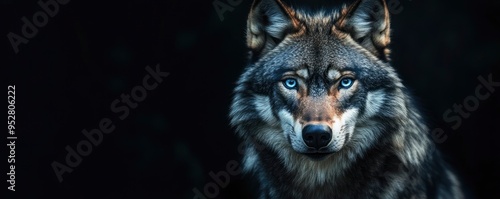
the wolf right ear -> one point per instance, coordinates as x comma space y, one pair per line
269, 22
367, 21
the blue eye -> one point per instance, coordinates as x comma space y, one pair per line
346, 83
290, 83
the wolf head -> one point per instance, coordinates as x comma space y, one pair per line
315, 81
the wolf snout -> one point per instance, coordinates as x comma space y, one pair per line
316, 136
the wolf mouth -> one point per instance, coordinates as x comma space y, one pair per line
317, 156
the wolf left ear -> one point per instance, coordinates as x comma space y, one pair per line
269, 22
367, 21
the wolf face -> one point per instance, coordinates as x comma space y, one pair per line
314, 78
323, 114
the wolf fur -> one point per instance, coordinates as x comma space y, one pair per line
331, 69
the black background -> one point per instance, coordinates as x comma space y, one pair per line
93, 51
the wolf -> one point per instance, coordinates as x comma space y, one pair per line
322, 114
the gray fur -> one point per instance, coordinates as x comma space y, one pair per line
379, 147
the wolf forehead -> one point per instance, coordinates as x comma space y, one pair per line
324, 55
316, 45
312, 57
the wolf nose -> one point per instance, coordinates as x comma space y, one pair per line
316, 136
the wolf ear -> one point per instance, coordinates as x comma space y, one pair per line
367, 21
269, 22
